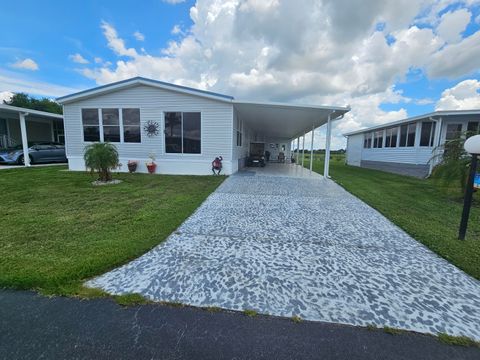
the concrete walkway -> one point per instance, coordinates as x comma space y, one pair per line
295, 245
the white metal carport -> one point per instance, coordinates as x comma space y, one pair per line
291, 121
22, 115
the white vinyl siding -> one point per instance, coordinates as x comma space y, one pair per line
217, 124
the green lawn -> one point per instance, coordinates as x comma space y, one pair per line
428, 213
57, 229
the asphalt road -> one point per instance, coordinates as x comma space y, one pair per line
37, 327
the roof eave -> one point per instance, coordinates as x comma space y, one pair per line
104, 89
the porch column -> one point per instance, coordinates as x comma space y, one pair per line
298, 149
436, 143
311, 149
303, 149
326, 166
23, 130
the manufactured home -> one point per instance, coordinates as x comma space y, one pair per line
183, 128
410, 146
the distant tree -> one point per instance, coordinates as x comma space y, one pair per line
29, 102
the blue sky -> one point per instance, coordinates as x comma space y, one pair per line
388, 60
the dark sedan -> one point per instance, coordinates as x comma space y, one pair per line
43, 152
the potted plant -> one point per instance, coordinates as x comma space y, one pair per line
151, 166
132, 166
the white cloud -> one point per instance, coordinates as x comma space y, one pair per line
139, 36
77, 58
27, 64
463, 96
453, 24
5, 96
98, 60
11, 81
115, 43
335, 55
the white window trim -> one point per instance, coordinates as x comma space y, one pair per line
182, 154
431, 138
120, 119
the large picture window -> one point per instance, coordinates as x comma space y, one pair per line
131, 125
183, 132
91, 125
454, 131
391, 135
106, 125
427, 137
407, 135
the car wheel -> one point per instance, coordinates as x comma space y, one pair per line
21, 160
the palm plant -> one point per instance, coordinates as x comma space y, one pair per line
101, 158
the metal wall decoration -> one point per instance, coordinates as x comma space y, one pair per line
151, 128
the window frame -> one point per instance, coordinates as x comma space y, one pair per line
450, 124
181, 154
394, 133
368, 140
120, 119
431, 140
378, 143
408, 125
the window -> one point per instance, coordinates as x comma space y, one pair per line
238, 126
407, 135
131, 125
91, 126
473, 128
367, 141
391, 137
427, 136
111, 125
453, 131
378, 139
183, 132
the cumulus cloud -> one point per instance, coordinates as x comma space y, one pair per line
453, 24
139, 36
5, 96
27, 64
463, 96
79, 59
321, 52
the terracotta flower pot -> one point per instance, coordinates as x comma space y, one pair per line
151, 168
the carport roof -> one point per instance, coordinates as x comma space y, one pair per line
285, 120
16, 110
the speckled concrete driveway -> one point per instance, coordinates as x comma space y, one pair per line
290, 245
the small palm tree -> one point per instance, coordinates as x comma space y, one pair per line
101, 158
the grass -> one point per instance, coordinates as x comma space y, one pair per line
429, 213
250, 313
458, 340
57, 229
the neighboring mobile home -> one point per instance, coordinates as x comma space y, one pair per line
184, 128
409, 146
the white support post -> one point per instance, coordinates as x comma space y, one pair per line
326, 166
23, 130
311, 149
298, 150
303, 149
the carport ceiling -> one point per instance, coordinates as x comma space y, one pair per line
284, 120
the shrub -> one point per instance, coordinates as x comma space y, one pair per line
101, 158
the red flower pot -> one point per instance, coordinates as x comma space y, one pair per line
151, 168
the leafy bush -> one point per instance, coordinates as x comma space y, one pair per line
101, 158
455, 164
